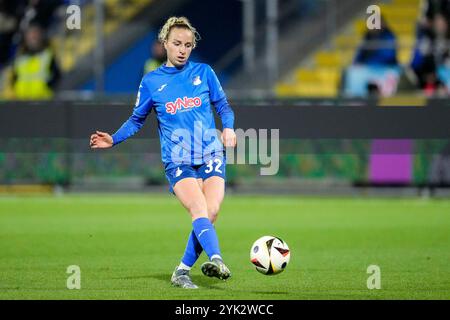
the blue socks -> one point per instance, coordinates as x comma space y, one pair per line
202, 237
206, 235
193, 250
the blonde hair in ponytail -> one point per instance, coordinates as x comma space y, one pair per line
181, 22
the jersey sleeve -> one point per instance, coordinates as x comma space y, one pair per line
219, 100
135, 122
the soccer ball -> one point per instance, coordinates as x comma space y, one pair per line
270, 255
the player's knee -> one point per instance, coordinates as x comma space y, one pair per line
198, 208
213, 211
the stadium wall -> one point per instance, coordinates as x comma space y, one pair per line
47, 143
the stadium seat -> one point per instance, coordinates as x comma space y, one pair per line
322, 77
117, 13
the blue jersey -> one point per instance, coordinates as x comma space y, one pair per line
182, 99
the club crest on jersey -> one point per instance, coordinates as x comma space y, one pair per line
182, 104
178, 172
196, 81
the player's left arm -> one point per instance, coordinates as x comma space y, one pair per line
134, 123
223, 108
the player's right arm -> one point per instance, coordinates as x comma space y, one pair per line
134, 123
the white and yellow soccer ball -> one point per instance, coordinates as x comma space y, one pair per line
270, 255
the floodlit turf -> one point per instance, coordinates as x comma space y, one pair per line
128, 245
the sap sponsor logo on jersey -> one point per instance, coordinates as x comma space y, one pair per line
182, 104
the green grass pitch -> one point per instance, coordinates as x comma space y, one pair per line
128, 245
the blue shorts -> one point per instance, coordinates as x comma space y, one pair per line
213, 167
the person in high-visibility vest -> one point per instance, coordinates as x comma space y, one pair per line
35, 70
158, 57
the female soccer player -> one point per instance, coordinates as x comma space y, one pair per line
182, 93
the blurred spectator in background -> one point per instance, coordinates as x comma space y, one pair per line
431, 51
35, 71
379, 47
432, 7
377, 51
39, 12
15, 18
373, 90
158, 57
10, 15
441, 39
7, 28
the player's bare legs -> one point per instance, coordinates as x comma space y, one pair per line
200, 183
214, 191
191, 196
